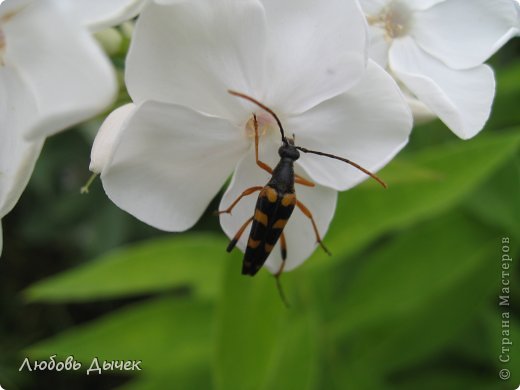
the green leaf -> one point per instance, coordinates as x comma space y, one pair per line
447, 380
167, 335
365, 213
195, 378
412, 269
193, 260
505, 107
503, 328
413, 297
260, 344
497, 200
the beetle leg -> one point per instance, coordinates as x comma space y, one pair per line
283, 248
235, 239
308, 214
249, 191
261, 164
304, 182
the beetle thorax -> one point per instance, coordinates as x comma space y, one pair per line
289, 151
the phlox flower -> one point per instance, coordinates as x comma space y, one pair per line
436, 50
53, 74
165, 156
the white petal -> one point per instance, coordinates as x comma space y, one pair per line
64, 68
464, 34
108, 135
169, 162
421, 4
300, 238
367, 125
460, 98
17, 163
379, 45
100, 14
315, 50
517, 6
373, 7
421, 113
192, 52
17, 156
517, 26
7, 8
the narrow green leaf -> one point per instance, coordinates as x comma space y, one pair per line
193, 261
365, 213
192, 379
260, 344
419, 264
167, 335
246, 341
297, 362
447, 380
497, 201
505, 107
413, 297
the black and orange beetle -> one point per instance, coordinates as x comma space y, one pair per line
276, 201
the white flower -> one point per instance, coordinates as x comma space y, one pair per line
166, 156
100, 14
436, 49
517, 27
52, 75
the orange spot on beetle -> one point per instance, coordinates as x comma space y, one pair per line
280, 224
253, 243
261, 217
289, 200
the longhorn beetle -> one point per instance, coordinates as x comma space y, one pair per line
276, 201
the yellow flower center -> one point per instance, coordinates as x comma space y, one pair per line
395, 19
265, 122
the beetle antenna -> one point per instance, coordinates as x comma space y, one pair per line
263, 106
364, 170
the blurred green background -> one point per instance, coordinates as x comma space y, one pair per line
409, 299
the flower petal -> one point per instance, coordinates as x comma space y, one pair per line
100, 14
421, 4
169, 162
300, 237
69, 76
108, 135
17, 156
421, 113
460, 98
17, 160
379, 45
368, 125
464, 34
373, 7
315, 50
192, 52
8, 8
517, 25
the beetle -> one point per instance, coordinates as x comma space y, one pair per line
277, 200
